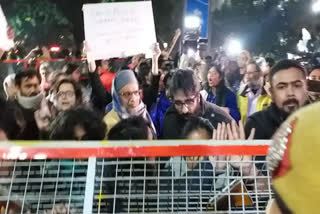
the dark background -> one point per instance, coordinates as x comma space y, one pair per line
265, 26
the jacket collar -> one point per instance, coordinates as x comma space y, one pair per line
246, 90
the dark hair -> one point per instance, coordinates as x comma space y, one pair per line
196, 123
28, 73
218, 69
252, 62
76, 87
144, 71
270, 61
63, 126
286, 64
167, 78
98, 62
11, 119
185, 80
133, 128
70, 68
314, 68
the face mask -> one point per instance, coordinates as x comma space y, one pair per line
30, 102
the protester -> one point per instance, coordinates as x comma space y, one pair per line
162, 105
106, 76
315, 73
9, 87
126, 100
253, 97
133, 128
45, 72
288, 93
233, 77
100, 97
136, 60
243, 59
216, 92
149, 81
78, 124
66, 95
185, 92
28, 98
293, 163
149, 84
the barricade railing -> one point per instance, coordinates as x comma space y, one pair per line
134, 177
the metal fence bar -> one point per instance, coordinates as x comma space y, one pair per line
89, 192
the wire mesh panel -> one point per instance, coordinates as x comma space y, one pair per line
195, 182
37, 186
181, 185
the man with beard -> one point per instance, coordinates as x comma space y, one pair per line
187, 101
288, 93
253, 97
28, 98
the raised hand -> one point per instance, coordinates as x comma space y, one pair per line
156, 52
10, 33
91, 62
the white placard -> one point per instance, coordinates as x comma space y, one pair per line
5, 42
119, 29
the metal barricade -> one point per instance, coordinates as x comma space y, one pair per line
134, 177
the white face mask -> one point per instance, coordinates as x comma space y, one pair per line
30, 102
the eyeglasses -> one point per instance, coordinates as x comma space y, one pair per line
68, 94
128, 94
188, 102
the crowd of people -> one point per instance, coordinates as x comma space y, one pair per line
210, 97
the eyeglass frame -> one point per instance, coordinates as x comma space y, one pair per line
65, 94
191, 100
130, 93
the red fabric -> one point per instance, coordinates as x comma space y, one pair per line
131, 67
106, 78
285, 164
133, 151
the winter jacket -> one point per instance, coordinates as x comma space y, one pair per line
263, 102
173, 122
150, 92
223, 97
265, 122
158, 112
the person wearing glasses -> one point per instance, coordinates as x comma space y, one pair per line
126, 100
253, 97
187, 102
67, 94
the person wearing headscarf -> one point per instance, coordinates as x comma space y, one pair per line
127, 100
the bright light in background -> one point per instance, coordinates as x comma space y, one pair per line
316, 6
234, 47
55, 48
192, 22
165, 45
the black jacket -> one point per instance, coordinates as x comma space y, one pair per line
266, 122
100, 97
173, 122
150, 92
30, 131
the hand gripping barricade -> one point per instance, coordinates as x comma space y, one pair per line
134, 177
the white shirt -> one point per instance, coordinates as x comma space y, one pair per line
252, 102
